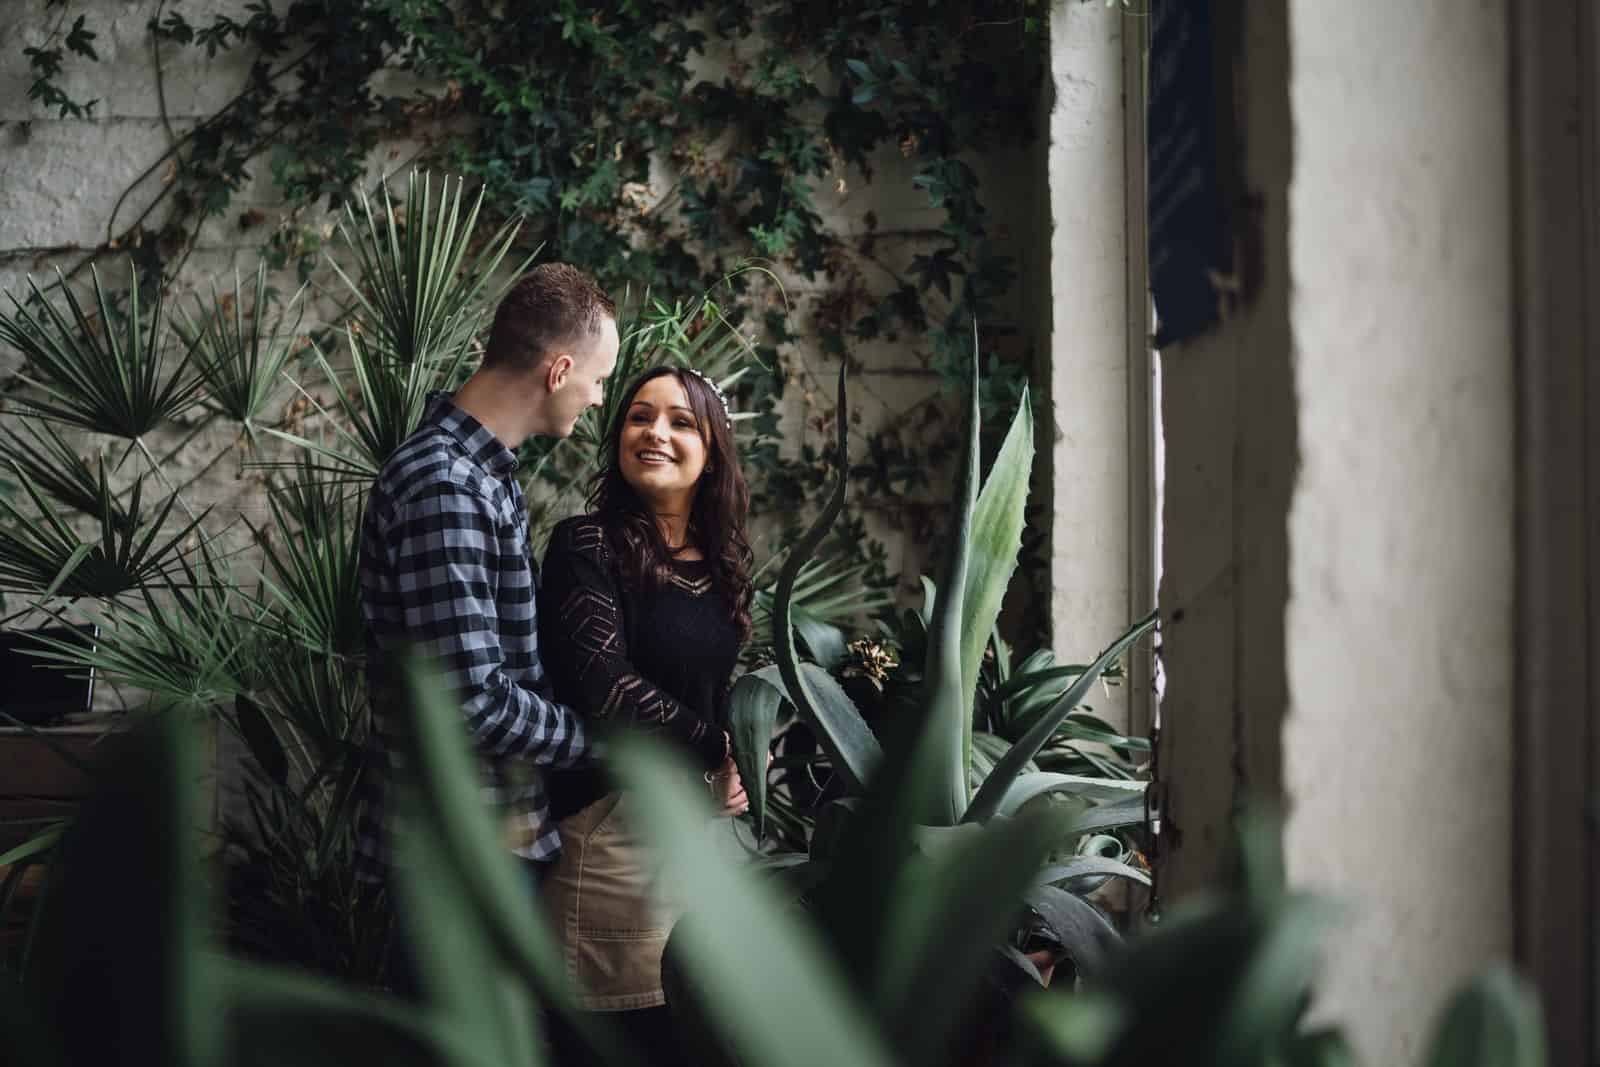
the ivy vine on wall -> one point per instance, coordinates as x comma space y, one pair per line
652, 143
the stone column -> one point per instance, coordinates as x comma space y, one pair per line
1098, 369
1338, 561
1398, 740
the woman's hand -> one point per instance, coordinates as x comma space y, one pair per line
727, 789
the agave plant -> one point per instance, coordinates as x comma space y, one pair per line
929, 774
1229, 978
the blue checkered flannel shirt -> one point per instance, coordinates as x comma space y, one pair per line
446, 568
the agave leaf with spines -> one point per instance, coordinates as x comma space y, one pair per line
996, 539
945, 742
753, 707
1494, 1021
827, 599
1090, 867
1000, 780
840, 729
461, 970
853, 749
947, 912
98, 372
1030, 786
769, 998
466, 839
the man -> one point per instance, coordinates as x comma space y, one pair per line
445, 562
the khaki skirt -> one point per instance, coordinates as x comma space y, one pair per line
607, 909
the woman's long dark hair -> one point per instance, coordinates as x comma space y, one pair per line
716, 519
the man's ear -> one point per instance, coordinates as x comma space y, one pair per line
557, 371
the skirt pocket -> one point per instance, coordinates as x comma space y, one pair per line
612, 924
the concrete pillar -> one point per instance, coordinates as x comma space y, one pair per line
1099, 361
1338, 560
1397, 746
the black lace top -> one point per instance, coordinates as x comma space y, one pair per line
653, 660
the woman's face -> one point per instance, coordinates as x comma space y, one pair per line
660, 451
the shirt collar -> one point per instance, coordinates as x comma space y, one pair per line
473, 435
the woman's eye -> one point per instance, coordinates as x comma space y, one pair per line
684, 424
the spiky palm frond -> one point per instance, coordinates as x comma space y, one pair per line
422, 294
370, 422
97, 373
309, 497
42, 557
238, 359
314, 580
192, 644
56, 469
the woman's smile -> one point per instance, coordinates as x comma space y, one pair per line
661, 449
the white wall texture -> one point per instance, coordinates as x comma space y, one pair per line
1397, 745
1338, 557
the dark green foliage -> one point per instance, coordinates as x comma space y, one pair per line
1225, 982
101, 369
556, 113
46, 62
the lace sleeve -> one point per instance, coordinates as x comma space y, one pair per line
580, 586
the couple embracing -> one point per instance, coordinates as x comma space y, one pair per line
633, 623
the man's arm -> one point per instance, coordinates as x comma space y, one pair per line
447, 552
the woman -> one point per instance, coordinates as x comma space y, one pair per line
643, 604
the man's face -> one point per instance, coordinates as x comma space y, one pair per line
583, 385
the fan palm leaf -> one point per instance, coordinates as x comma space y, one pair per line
385, 407
238, 359
56, 469
194, 644
422, 293
41, 556
315, 581
95, 375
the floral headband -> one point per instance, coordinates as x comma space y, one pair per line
715, 388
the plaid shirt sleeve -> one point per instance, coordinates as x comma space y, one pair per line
454, 559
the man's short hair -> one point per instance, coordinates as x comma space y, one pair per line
553, 306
